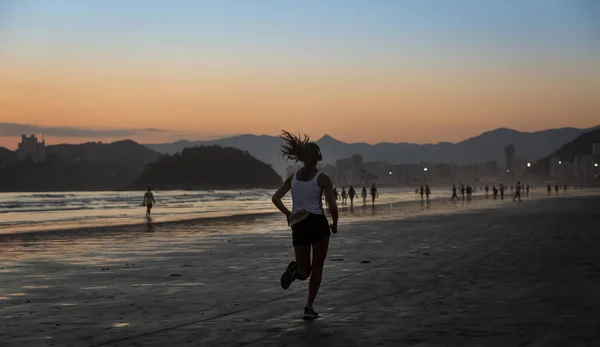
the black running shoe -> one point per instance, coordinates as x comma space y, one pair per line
289, 275
309, 314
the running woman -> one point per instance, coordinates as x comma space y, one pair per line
310, 228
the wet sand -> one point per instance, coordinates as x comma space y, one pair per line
504, 275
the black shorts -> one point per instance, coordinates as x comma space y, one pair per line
313, 228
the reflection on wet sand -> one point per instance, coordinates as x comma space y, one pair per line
120, 275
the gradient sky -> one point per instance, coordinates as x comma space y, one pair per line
372, 70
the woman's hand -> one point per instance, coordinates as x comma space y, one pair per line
288, 216
333, 228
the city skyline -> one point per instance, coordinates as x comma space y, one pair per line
411, 71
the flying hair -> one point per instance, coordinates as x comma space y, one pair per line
295, 147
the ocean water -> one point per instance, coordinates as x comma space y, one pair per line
47, 211
25, 212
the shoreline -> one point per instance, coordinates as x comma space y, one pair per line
347, 215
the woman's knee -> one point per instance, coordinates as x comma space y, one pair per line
303, 274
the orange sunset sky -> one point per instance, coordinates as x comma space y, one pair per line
414, 71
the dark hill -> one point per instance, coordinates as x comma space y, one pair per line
209, 167
127, 153
56, 175
88, 166
568, 152
7, 156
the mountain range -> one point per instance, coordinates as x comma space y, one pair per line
489, 145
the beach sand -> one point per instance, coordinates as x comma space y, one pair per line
515, 274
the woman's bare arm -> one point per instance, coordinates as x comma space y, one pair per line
279, 194
327, 186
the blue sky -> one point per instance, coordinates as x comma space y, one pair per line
289, 28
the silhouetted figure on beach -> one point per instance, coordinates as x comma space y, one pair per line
454, 193
364, 195
495, 192
148, 202
527, 191
352, 195
556, 189
565, 187
310, 228
518, 192
469, 192
487, 189
549, 190
501, 191
427, 191
462, 191
344, 196
421, 191
374, 193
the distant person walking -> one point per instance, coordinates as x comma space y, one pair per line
422, 192
518, 192
556, 189
454, 196
549, 190
487, 189
310, 228
565, 187
495, 192
527, 191
344, 196
336, 194
352, 195
374, 194
364, 195
462, 191
148, 202
427, 191
501, 191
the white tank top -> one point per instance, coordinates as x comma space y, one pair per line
306, 195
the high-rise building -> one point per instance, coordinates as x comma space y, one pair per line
510, 157
584, 166
556, 167
31, 149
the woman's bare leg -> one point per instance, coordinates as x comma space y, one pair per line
303, 261
319, 253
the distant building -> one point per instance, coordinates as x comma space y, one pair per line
379, 172
584, 166
290, 170
31, 149
348, 171
555, 167
596, 154
510, 156
327, 169
490, 169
